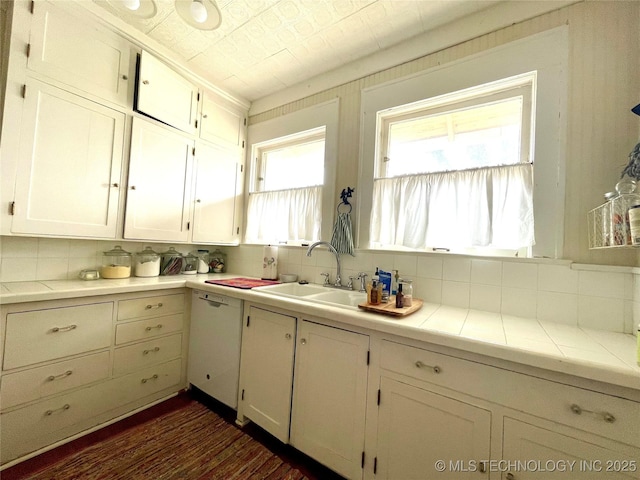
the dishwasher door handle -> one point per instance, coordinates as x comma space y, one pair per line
213, 303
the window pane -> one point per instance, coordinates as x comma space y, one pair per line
293, 166
479, 136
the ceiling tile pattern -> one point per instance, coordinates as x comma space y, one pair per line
264, 46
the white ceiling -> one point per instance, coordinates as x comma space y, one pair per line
265, 46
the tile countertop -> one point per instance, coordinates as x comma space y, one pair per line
602, 356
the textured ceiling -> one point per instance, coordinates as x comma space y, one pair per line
264, 46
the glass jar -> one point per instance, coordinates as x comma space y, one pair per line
190, 264
407, 291
203, 261
171, 262
147, 263
218, 262
116, 263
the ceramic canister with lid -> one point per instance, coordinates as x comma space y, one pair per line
116, 263
147, 263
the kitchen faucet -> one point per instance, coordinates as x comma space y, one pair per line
338, 282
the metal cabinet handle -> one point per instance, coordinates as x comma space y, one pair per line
153, 350
158, 326
51, 378
287, 336
133, 187
124, 77
145, 380
68, 328
145, 82
115, 185
435, 368
198, 200
606, 416
204, 115
66, 406
303, 341
157, 305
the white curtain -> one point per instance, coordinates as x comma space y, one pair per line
284, 215
487, 207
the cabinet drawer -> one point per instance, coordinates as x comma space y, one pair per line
147, 382
605, 415
147, 329
56, 333
150, 306
40, 382
134, 357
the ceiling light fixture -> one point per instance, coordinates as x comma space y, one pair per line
138, 8
200, 14
131, 4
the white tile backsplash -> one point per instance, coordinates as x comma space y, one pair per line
590, 296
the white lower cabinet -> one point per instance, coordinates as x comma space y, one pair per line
531, 451
75, 375
266, 370
329, 398
417, 428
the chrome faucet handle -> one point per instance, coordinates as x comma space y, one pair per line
362, 277
338, 282
326, 278
350, 284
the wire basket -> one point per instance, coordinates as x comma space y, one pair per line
609, 223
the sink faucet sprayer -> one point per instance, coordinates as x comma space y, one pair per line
338, 282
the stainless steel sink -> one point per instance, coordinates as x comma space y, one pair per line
317, 294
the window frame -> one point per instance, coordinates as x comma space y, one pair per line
322, 115
547, 54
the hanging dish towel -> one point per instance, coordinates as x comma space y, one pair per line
342, 238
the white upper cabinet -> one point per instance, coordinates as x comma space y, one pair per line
221, 122
165, 95
158, 195
218, 195
78, 53
69, 165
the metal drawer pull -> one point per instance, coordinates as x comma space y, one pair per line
63, 329
145, 380
606, 416
435, 368
158, 326
51, 378
66, 406
149, 307
147, 352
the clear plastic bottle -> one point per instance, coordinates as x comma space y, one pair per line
407, 291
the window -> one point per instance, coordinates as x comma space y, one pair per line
420, 133
285, 204
291, 177
454, 172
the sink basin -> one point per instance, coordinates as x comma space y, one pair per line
292, 289
340, 297
316, 293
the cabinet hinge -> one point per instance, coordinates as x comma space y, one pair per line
196, 123
375, 465
248, 320
242, 143
33, 6
237, 230
24, 90
245, 122
362, 464
378, 397
368, 356
28, 50
193, 151
198, 97
242, 396
12, 208
188, 225
241, 168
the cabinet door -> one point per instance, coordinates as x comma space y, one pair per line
165, 95
158, 197
329, 399
221, 122
266, 370
70, 163
217, 197
416, 428
78, 53
565, 455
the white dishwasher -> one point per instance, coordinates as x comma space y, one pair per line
214, 345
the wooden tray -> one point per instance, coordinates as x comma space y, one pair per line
390, 307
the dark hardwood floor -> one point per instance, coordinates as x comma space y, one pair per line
308, 466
